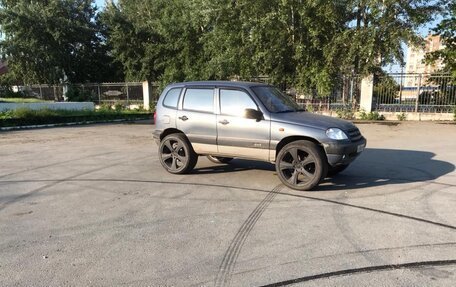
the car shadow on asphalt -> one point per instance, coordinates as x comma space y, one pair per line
233, 166
380, 167
374, 167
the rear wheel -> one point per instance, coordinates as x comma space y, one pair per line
333, 170
301, 165
176, 154
219, 159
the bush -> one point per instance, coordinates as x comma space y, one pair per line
118, 106
24, 116
152, 106
309, 108
345, 113
401, 117
105, 107
372, 116
78, 95
8, 93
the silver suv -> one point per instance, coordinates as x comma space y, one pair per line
224, 120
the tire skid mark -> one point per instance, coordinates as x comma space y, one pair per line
345, 228
452, 227
56, 182
388, 267
232, 253
55, 164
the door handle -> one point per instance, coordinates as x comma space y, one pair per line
183, 118
224, 122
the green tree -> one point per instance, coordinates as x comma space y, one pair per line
288, 41
307, 44
54, 40
376, 31
447, 30
156, 39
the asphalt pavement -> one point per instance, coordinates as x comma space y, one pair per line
92, 206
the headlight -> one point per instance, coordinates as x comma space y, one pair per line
336, 134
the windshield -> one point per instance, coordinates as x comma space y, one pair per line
275, 101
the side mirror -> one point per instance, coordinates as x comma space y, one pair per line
253, 114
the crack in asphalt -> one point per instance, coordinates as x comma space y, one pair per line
368, 269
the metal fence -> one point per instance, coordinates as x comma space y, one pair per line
45, 92
111, 93
344, 95
128, 93
426, 93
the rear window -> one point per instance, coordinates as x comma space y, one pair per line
172, 98
201, 100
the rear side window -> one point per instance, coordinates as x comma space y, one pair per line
172, 98
201, 100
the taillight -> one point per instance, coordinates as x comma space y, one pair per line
155, 117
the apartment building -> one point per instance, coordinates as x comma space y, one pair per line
415, 60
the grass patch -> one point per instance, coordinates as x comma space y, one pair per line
26, 117
22, 100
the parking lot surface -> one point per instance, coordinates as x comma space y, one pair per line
92, 206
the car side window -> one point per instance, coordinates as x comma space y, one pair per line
172, 98
201, 100
234, 102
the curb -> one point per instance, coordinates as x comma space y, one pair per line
69, 124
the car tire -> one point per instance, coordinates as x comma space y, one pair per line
333, 170
219, 159
176, 154
301, 165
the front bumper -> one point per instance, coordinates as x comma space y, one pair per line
342, 153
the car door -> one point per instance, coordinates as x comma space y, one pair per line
196, 118
237, 135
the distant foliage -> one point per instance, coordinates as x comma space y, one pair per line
386, 89
55, 41
447, 30
371, 116
401, 117
306, 44
346, 113
75, 94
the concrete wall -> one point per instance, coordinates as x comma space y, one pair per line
419, 116
409, 116
51, 106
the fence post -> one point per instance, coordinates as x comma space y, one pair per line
99, 94
367, 93
146, 95
418, 94
41, 92
128, 95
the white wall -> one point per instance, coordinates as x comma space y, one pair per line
51, 106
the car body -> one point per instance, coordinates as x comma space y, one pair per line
255, 121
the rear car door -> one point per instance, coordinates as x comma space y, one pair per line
196, 118
236, 134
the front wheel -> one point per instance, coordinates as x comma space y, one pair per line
301, 165
219, 159
176, 154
